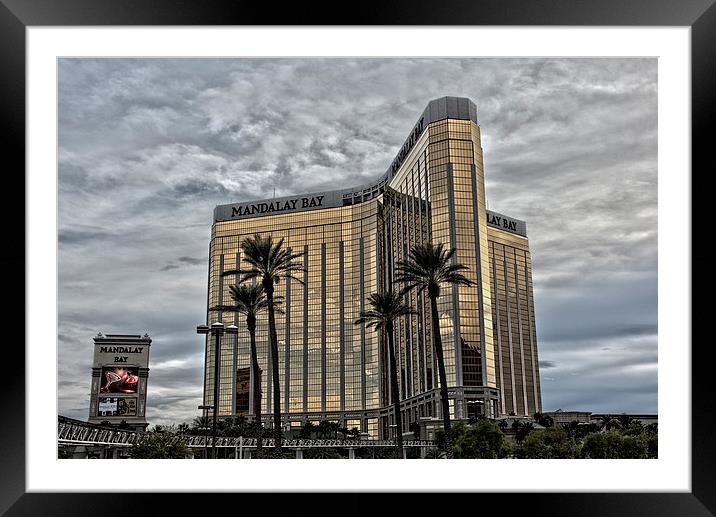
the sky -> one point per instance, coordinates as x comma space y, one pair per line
148, 148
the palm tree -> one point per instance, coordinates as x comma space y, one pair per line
625, 420
608, 422
269, 262
385, 308
426, 268
250, 300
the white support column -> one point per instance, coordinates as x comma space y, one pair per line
351, 453
299, 454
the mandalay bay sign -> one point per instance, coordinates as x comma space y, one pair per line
277, 206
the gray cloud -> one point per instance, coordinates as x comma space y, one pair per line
148, 147
183, 262
191, 261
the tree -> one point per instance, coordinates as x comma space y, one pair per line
163, 443
426, 268
269, 262
200, 424
522, 429
235, 427
384, 309
307, 430
608, 422
626, 420
324, 429
552, 442
250, 301
483, 439
543, 420
615, 445
124, 426
335, 428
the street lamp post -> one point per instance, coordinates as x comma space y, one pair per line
217, 329
205, 427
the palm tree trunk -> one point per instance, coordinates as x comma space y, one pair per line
445, 405
268, 287
394, 391
257, 389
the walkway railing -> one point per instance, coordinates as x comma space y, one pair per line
76, 432
248, 443
70, 431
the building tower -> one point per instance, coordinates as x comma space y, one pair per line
351, 241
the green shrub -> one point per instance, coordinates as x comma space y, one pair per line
615, 445
160, 445
553, 442
482, 439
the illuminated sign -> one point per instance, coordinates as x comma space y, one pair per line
120, 372
117, 406
118, 379
107, 406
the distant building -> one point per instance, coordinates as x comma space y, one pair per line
560, 417
120, 371
564, 417
643, 418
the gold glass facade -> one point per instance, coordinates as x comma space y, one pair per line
351, 241
514, 324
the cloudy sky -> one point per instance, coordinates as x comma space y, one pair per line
148, 147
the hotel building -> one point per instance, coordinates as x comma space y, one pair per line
351, 241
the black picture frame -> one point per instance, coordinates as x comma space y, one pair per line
699, 15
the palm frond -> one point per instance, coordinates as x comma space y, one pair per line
225, 308
428, 266
269, 260
229, 272
248, 300
384, 309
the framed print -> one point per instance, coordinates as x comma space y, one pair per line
662, 52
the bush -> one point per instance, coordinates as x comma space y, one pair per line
616, 445
273, 454
652, 445
483, 439
553, 442
160, 444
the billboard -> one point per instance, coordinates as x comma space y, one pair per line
117, 406
119, 379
